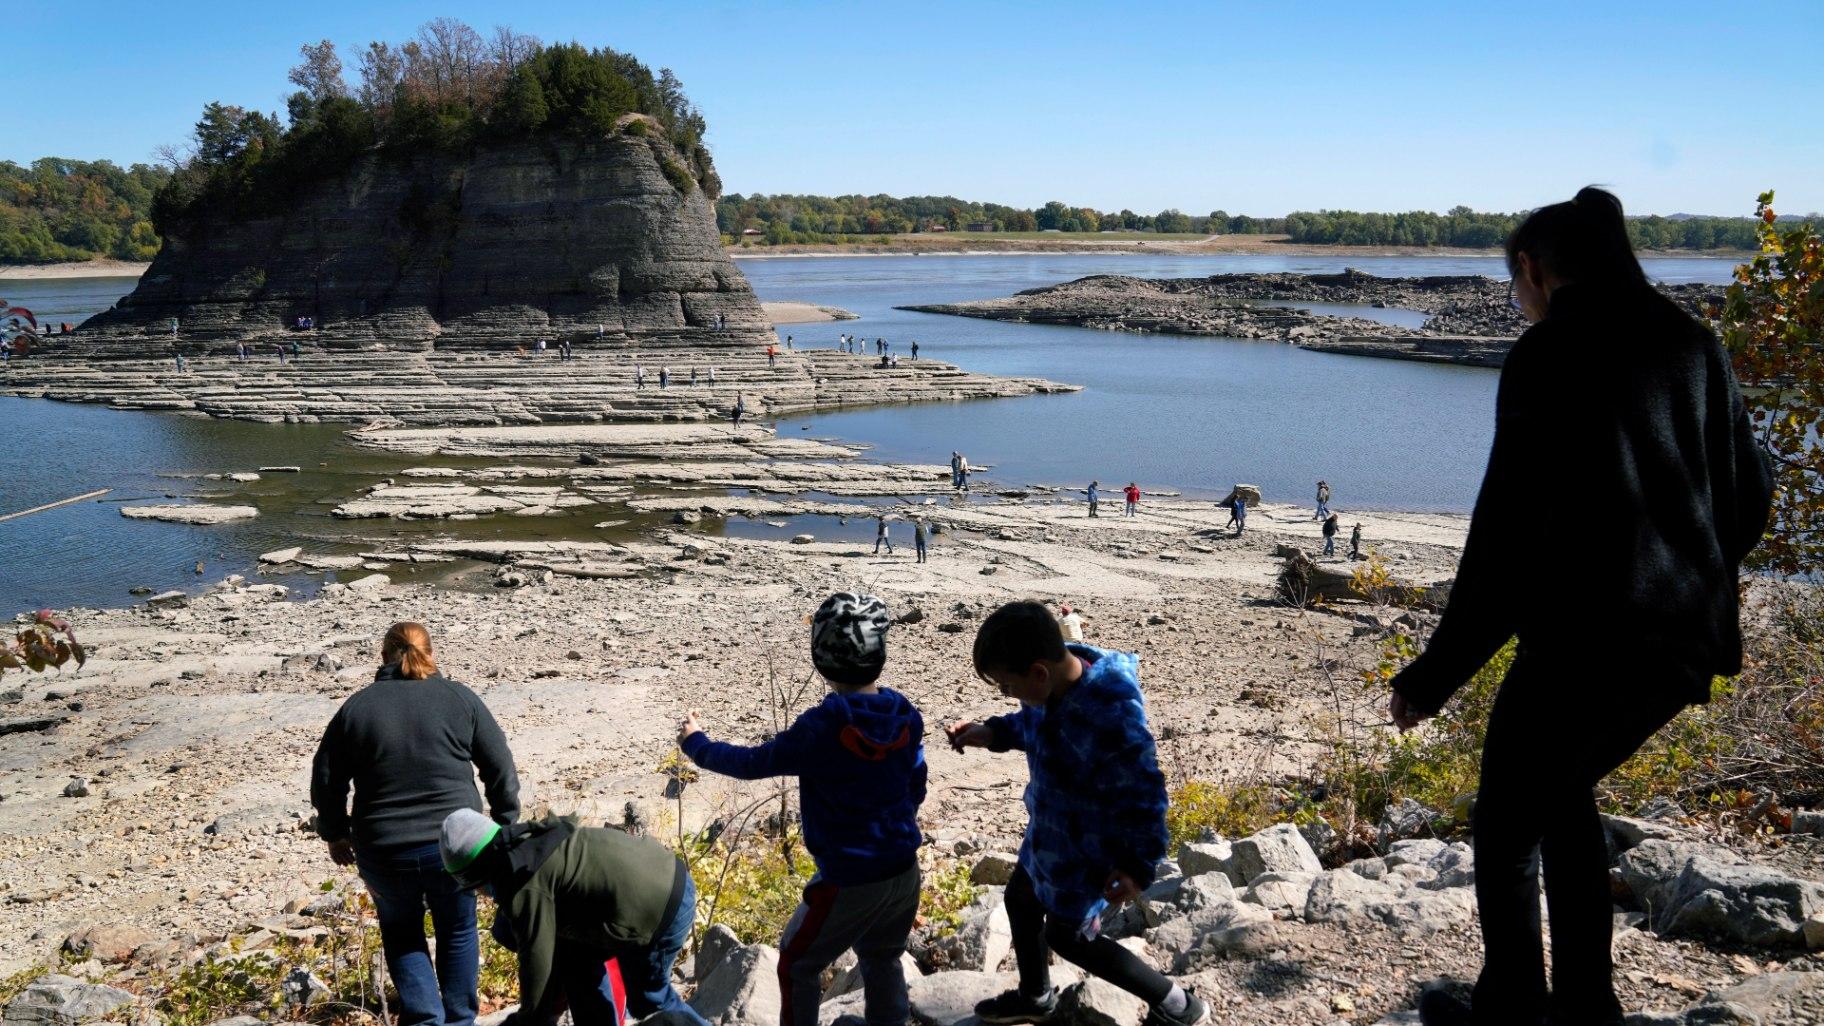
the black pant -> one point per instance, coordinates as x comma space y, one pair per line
1036, 934
1559, 725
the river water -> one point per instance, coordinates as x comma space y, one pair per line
1179, 414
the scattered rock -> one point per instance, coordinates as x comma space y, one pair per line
168, 600
78, 787
741, 987
1095, 1002
372, 582
285, 555
1278, 849
29, 724
1199, 857
1404, 819
192, 514
803, 539
1397, 903
62, 1001
107, 942
994, 869
947, 999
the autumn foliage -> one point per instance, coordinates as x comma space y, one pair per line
46, 641
1773, 327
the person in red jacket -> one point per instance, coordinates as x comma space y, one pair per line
1132, 492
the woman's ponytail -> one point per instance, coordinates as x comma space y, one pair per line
409, 645
1583, 239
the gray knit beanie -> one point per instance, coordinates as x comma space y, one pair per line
849, 638
466, 834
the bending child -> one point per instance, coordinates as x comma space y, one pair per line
1096, 806
860, 762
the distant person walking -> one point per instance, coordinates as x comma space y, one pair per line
664, 377
1661, 444
921, 537
1132, 494
788, 342
1330, 529
739, 411
772, 357
693, 376
1355, 542
1323, 501
180, 362
539, 347
1238, 513
1093, 496
410, 744
173, 327
881, 537
956, 470
915, 351
639, 377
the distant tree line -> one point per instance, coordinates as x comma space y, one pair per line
59, 209
784, 219
447, 89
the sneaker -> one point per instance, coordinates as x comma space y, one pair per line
1015, 1007
1196, 1010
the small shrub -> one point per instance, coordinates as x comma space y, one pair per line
678, 175
946, 893
636, 127
1200, 807
747, 883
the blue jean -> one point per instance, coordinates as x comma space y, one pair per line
404, 883
1329, 545
646, 973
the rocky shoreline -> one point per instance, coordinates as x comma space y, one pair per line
1470, 320
158, 795
381, 386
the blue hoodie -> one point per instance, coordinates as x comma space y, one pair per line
860, 763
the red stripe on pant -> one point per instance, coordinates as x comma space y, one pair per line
819, 899
618, 987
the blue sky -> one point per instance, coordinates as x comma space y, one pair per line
1259, 107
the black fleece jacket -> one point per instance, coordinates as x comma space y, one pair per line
407, 746
1625, 481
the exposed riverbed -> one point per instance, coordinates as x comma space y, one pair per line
1188, 415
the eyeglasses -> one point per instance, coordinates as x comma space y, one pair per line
1511, 300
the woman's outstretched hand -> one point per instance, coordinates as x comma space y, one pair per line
342, 852
1402, 713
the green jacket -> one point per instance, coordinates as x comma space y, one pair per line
595, 887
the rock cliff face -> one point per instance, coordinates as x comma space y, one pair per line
490, 249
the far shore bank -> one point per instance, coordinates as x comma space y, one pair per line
75, 269
988, 244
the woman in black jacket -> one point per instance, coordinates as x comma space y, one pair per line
1620, 400
410, 743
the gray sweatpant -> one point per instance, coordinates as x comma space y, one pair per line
874, 919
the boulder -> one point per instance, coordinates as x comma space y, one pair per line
1281, 892
1095, 1002
1199, 857
946, 999
741, 985
1625, 833
981, 942
62, 1001
264, 820
1404, 819
284, 555
1455, 866
1773, 999
1647, 869
1417, 852
1809, 821
78, 787
848, 979
1278, 849
107, 942
1751, 905
994, 869
168, 600
1353, 901
1204, 929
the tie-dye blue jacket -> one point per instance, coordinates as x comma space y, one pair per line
1096, 800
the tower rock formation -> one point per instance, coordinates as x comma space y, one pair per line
488, 249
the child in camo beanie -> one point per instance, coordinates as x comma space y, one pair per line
849, 638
